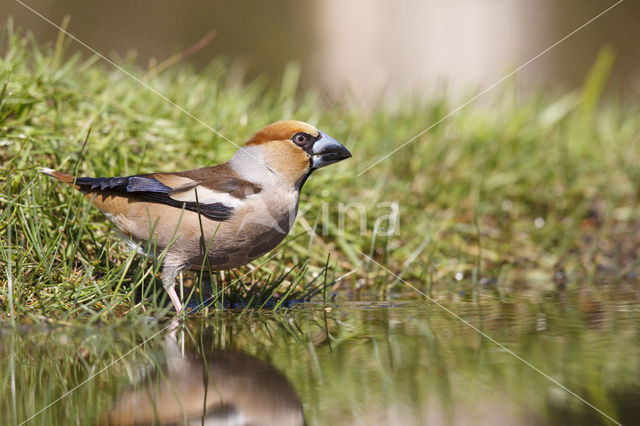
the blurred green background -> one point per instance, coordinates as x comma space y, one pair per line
364, 48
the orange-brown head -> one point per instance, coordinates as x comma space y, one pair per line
294, 149
281, 130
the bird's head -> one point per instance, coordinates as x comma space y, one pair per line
294, 149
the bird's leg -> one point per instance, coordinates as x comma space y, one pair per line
169, 273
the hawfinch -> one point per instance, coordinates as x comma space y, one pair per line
217, 217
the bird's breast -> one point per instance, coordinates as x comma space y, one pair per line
260, 225
257, 227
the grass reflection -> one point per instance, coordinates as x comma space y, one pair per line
355, 364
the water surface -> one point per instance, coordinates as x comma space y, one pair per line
349, 364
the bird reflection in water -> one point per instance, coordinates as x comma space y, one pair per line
210, 386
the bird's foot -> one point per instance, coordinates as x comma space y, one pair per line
175, 299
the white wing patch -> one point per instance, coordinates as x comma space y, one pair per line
184, 190
205, 196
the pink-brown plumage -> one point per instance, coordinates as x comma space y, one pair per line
245, 206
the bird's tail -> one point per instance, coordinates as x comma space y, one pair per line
62, 177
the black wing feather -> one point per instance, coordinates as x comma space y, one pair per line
150, 189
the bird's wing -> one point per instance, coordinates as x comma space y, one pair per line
213, 191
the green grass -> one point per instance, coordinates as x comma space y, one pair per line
533, 194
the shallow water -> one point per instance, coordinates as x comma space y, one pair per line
351, 364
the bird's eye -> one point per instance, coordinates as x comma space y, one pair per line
300, 138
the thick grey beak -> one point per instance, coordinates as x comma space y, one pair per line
327, 150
